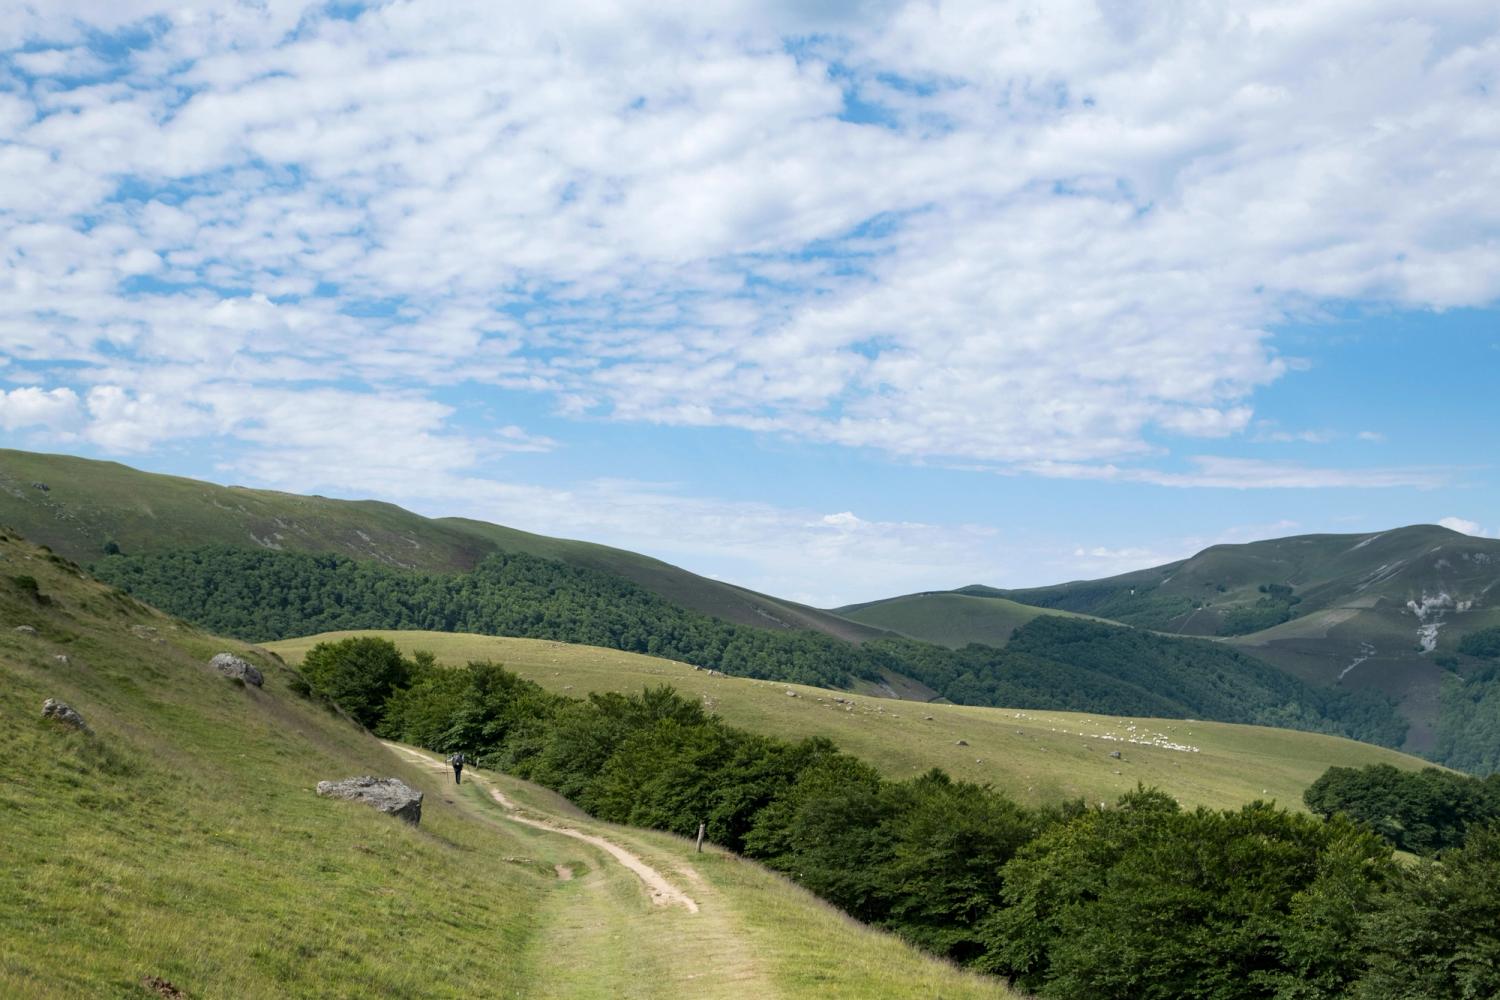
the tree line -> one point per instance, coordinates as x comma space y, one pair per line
1142, 899
1051, 662
1422, 811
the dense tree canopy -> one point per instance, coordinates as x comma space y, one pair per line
1140, 900
1468, 735
1052, 662
1437, 934
1484, 643
1419, 811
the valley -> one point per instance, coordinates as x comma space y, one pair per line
1035, 757
190, 794
179, 841
1384, 612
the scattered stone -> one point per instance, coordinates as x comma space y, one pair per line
41, 486
25, 630
1115, 754
961, 743
65, 714
926, 718
1117, 772
62, 658
142, 631
791, 694
162, 988
390, 795
233, 667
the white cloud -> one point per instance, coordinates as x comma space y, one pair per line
822, 560
1249, 473
1465, 526
1066, 244
54, 410
1267, 431
68, 62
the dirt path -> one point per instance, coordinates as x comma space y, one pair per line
662, 892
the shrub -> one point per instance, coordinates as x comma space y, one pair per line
357, 674
1483, 643
1438, 933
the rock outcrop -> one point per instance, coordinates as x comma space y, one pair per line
389, 795
65, 714
232, 666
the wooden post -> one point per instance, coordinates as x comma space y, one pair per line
701, 828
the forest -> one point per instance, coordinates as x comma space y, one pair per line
1140, 899
1419, 811
1051, 662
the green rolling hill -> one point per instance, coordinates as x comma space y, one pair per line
77, 506
1386, 611
1378, 615
948, 618
1034, 756
178, 848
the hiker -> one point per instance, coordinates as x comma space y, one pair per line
457, 760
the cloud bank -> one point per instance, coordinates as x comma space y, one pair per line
976, 231
1040, 240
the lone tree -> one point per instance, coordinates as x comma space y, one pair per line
357, 674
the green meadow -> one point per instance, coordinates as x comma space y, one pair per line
1034, 756
181, 842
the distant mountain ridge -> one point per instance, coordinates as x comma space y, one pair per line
76, 506
1422, 564
165, 526
1383, 610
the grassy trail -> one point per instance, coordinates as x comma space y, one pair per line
180, 840
608, 930
643, 936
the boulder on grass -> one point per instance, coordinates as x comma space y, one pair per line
235, 668
63, 713
389, 795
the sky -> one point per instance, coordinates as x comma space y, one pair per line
835, 300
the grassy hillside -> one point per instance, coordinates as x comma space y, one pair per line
947, 618
1385, 612
181, 841
1034, 756
1053, 662
87, 504
1234, 589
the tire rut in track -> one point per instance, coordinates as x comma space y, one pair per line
661, 891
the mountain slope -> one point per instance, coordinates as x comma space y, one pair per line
1226, 587
1054, 662
78, 505
1385, 611
948, 618
162, 525
1034, 756
180, 842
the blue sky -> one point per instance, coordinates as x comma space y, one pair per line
832, 300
